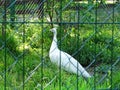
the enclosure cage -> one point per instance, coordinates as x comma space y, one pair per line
88, 30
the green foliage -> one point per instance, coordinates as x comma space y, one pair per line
70, 39
9, 39
84, 43
116, 80
50, 79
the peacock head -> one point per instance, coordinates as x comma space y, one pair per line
53, 30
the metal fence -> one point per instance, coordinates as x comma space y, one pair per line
88, 30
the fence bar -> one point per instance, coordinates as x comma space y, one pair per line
4, 38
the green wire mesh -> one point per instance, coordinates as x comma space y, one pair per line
88, 30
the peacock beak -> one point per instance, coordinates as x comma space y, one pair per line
52, 30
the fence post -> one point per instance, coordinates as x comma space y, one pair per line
12, 13
4, 39
41, 8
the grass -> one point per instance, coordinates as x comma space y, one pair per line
51, 78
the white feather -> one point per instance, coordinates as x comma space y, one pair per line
68, 63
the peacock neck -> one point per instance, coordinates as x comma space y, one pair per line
54, 42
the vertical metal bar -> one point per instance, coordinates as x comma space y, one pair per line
23, 66
77, 46
12, 13
42, 60
40, 9
95, 44
4, 38
60, 44
112, 48
42, 56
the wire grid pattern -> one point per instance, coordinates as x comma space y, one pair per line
17, 17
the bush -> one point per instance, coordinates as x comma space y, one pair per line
84, 47
77, 42
10, 41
